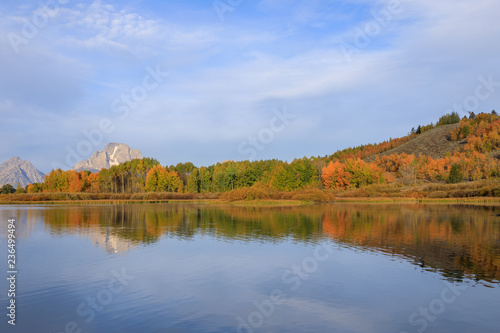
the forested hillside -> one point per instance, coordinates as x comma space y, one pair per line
449, 152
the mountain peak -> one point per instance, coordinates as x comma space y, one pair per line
113, 154
15, 170
15, 160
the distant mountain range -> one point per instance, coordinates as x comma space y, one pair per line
113, 154
15, 170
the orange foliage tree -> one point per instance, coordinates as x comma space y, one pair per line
482, 133
351, 173
363, 173
335, 176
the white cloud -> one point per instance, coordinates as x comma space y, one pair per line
99, 26
226, 78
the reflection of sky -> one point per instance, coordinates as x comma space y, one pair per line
205, 284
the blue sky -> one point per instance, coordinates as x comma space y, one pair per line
206, 81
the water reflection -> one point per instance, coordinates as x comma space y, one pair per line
456, 240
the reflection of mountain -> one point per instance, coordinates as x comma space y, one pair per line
111, 243
457, 241
27, 220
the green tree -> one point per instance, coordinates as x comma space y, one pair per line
183, 170
456, 175
449, 118
193, 182
205, 176
7, 189
285, 178
19, 188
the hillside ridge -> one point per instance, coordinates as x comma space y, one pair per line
435, 143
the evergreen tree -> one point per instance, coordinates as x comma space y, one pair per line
456, 175
7, 189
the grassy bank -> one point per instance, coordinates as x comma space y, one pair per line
477, 191
104, 197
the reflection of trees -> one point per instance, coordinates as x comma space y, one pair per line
147, 223
456, 240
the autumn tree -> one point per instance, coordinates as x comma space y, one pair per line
56, 181
363, 173
335, 176
34, 188
75, 183
159, 179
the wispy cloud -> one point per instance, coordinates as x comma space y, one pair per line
226, 77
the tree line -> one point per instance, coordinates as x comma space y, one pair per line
342, 170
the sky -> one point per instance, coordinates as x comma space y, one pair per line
207, 81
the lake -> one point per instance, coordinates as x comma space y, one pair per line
209, 268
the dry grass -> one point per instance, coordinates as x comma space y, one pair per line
481, 188
256, 193
486, 188
80, 197
434, 143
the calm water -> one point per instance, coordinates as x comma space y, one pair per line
189, 268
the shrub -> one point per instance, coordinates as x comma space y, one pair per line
246, 193
313, 195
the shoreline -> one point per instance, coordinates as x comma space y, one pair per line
264, 202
